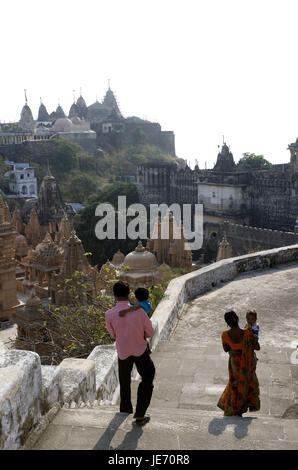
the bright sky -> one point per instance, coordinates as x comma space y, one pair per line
203, 69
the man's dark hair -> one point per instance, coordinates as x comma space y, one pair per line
142, 294
121, 289
231, 318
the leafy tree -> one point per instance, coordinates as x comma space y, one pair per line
102, 250
80, 186
69, 330
251, 160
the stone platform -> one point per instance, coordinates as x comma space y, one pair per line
191, 372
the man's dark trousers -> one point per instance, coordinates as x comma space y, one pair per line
146, 369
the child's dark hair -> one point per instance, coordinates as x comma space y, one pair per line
231, 318
121, 289
252, 312
142, 294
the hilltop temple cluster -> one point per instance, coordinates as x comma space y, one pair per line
98, 126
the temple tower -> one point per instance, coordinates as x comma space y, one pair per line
50, 207
43, 115
225, 160
224, 249
110, 102
26, 122
64, 231
76, 278
172, 250
17, 222
33, 230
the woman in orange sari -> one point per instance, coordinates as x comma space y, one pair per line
242, 392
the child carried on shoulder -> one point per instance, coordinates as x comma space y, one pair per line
142, 296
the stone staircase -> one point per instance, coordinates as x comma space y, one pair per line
184, 416
171, 429
191, 373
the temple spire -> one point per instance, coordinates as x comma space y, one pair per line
48, 169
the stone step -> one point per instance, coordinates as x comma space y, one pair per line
174, 429
204, 395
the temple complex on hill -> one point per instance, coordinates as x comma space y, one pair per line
100, 125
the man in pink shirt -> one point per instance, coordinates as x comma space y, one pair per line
130, 332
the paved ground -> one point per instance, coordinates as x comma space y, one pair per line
6, 335
191, 372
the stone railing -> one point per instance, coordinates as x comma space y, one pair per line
28, 390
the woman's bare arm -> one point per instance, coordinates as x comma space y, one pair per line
226, 347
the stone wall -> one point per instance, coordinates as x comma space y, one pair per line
166, 183
245, 239
273, 200
268, 198
27, 389
20, 396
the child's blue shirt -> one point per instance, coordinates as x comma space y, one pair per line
145, 304
255, 329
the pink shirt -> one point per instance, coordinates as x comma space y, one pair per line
129, 331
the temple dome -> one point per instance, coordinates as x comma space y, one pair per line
21, 246
76, 120
62, 125
164, 269
108, 271
33, 303
118, 258
141, 259
143, 268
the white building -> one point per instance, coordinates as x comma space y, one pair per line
21, 180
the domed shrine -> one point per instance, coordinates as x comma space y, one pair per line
118, 259
143, 268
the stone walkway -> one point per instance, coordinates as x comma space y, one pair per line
191, 372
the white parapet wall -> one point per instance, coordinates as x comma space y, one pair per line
27, 389
20, 396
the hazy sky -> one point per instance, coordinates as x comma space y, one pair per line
200, 68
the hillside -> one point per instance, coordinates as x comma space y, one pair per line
78, 173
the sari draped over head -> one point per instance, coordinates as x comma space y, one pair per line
242, 392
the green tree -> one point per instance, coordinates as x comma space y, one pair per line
80, 187
251, 160
3, 169
102, 250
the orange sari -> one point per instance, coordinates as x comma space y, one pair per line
242, 392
